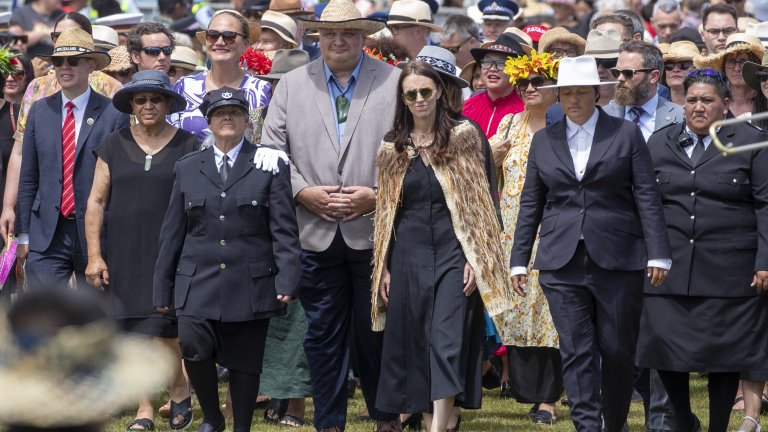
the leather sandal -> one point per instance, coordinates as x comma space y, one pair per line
183, 409
145, 424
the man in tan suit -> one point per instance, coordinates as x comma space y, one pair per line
330, 117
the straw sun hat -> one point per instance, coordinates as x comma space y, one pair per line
343, 14
736, 43
121, 60
681, 51
77, 42
561, 34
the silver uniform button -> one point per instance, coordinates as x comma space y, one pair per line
222, 217
691, 241
254, 202
693, 172
223, 194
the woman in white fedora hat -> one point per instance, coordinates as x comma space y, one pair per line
590, 185
739, 49
278, 31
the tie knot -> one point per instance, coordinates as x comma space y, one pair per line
225, 158
70, 106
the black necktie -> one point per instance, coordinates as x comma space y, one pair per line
224, 169
698, 150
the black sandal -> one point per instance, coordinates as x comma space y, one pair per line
183, 409
145, 423
292, 421
278, 408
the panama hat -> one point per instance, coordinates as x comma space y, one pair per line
603, 44
121, 23
254, 30
412, 12
467, 71
148, 81
578, 71
737, 42
76, 42
561, 34
285, 61
63, 364
282, 24
681, 51
343, 14
442, 60
749, 70
105, 38
121, 60
506, 44
525, 40
759, 30
185, 58
288, 7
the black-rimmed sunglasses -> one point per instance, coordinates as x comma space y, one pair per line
229, 37
58, 61
606, 63
683, 65
535, 82
628, 73
154, 51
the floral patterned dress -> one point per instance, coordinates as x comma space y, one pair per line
529, 322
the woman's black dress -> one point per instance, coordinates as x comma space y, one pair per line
434, 333
138, 200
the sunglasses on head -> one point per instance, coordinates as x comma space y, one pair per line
706, 72
72, 61
535, 82
628, 73
154, 51
229, 37
762, 76
17, 76
154, 100
411, 95
606, 63
683, 65
55, 35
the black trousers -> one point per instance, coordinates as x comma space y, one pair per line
597, 313
336, 296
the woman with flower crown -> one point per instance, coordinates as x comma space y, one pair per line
535, 369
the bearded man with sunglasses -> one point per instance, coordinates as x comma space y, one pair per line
58, 164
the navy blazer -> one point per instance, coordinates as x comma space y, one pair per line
40, 182
616, 204
228, 249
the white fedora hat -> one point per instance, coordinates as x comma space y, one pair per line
282, 24
105, 37
412, 12
578, 71
603, 44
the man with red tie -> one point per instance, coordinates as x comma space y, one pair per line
58, 162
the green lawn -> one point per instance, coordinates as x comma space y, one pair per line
496, 415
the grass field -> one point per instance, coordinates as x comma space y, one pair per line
497, 415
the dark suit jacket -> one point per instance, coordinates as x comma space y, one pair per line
228, 249
716, 212
40, 183
616, 205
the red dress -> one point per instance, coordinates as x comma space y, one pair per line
488, 113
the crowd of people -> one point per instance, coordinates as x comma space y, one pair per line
302, 198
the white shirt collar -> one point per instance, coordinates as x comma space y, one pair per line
219, 155
80, 101
590, 125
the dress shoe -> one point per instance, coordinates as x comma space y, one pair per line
207, 427
389, 426
506, 390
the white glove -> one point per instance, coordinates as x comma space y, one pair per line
266, 159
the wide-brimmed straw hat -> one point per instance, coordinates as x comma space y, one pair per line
71, 375
749, 70
736, 43
105, 38
282, 24
412, 12
285, 61
442, 60
185, 58
148, 81
681, 51
343, 14
578, 71
561, 34
289, 7
506, 44
603, 44
76, 42
254, 30
121, 60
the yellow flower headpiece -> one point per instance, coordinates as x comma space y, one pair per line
535, 63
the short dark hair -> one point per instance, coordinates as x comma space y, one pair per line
711, 77
637, 21
79, 18
624, 21
134, 45
720, 8
652, 57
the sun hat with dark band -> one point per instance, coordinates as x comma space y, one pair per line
285, 61
221, 97
737, 42
76, 42
282, 24
344, 15
750, 69
506, 44
148, 81
442, 60
412, 12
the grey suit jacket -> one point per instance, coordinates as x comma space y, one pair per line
666, 112
301, 123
